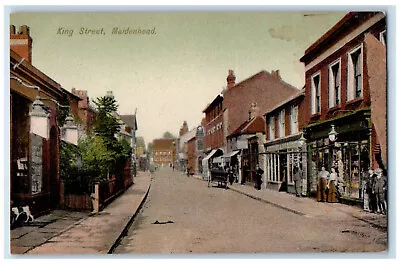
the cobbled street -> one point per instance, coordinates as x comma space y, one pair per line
183, 215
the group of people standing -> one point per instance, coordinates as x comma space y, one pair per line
375, 191
330, 186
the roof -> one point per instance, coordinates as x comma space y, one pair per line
287, 101
129, 120
350, 20
216, 100
262, 72
163, 143
252, 126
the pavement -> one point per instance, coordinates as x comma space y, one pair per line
307, 207
68, 232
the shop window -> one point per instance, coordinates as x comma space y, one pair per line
294, 126
316, 93
281, 124
334, 84
355, 74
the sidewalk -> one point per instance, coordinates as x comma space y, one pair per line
65, 232
307, 207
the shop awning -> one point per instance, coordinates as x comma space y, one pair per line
210, 154
231, 154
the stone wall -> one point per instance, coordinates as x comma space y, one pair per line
36, 163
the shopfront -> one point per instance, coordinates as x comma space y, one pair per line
281, 158
348, 153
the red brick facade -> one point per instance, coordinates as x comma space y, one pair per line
214, 124
264, 88
163, 151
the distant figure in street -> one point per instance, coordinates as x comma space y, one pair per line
365, 188
173, 167
321, 186
297, 180
259, 173
380, 189
373, 205
333, 181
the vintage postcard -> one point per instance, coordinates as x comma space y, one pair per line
198, 132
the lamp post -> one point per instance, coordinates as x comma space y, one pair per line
303, 162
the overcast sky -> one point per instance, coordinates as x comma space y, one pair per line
172, 75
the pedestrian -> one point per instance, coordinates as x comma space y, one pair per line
332, 186
380, 188
365, 189
373, 205
173, 167
259, 173
321, 186
297, 176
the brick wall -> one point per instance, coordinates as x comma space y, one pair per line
264, 89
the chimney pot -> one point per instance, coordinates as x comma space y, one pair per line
24, 30
231, 79
12, 29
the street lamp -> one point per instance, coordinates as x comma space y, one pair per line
332, 134
70, 130
40, 119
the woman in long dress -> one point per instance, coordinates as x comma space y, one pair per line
332, 193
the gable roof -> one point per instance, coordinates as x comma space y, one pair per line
129, 120
163, 143
252, 126
286, 101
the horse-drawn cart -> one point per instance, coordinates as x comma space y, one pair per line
219, 176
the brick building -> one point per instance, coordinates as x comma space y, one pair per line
86, 113
263, 89
340, 68
243, 146
34, 132
284, 147
163, 151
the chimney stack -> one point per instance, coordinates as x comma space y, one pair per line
230, 79
276, 75
21, 42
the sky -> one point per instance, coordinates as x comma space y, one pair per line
171, 75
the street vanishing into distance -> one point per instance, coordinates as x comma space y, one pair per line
183, 215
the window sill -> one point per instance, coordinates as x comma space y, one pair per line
315, 115
359, 99
334, 108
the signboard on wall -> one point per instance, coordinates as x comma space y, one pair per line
242, 144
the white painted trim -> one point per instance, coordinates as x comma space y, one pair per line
340, 44
338, 61
349, 78
381, 38
313, 93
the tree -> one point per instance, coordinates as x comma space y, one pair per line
149, 147
168, 135
106, 124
